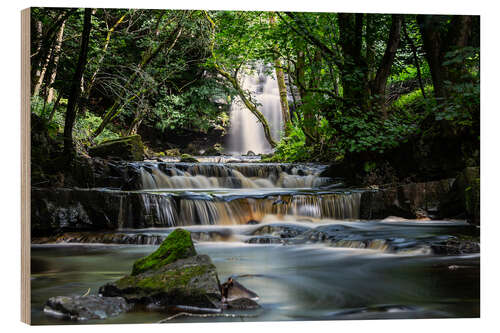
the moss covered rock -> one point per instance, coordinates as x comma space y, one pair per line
188, 158
172, 152
172, 275
177, 245
129, 148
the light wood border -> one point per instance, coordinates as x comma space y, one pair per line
25, 168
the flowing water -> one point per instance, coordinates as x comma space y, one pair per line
293, 237
246, 133
284, 231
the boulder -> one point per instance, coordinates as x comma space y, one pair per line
178, 245
128, 148
172, 275
188, 159
85, 307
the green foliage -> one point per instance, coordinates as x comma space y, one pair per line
292, 148
409, 72
195, 108
461, 108
413, 100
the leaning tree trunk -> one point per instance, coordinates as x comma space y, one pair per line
384, 69
250, 106
57, 51
234, 82
280, 77
75, 86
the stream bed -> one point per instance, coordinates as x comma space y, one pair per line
303, 281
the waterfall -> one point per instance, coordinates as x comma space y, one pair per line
245, 132
206, 176
214, 211
161, 208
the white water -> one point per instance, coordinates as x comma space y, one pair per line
246, 133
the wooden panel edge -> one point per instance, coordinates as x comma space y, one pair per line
25, 168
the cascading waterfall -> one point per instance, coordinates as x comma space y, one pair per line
203, 176
246, 133
214, 211
162, 208
168, 207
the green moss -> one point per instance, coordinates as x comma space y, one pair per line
127, 148
188, 158
176, 246
166, 281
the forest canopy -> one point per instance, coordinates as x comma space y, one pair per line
349, 84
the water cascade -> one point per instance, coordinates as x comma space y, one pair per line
234, 175
246, 133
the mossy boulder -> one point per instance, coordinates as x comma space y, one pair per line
188, 158
177, 245
129, 148
172, 275
172, 152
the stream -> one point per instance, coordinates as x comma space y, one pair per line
285, 232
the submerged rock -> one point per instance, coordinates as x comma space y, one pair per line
455, 246
172, 275
85, 307
128, 148
281, 230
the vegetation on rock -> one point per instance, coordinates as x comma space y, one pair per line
176, 246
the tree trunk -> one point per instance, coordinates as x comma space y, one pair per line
75, 86
438, 41
54, 108
354, 70
280, 77
430, 26
43, 70
57, 51
384, 69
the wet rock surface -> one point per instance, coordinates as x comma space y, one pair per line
85, 307
128, 148
172, 275
192, 281
243, 304
406, 200
281, 230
